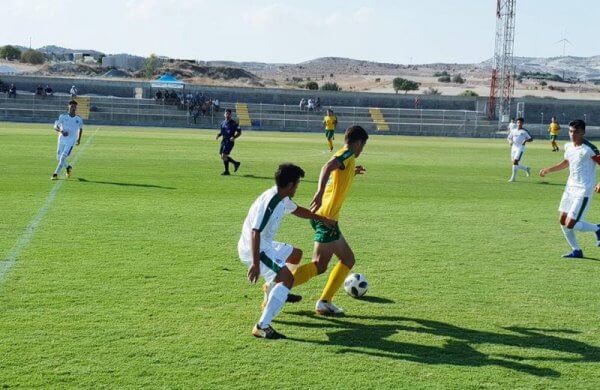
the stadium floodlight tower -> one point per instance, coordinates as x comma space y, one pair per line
502, 86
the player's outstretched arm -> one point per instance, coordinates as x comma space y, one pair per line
301, 212
329, 167
79, 136
555, 168
218, 135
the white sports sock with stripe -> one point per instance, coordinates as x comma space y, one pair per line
583, 226
570, 236
276, 301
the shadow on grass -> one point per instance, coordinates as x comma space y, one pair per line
546, 183
271, 178
371, 299
81, 179
374, 339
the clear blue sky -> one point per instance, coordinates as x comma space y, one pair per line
398, 31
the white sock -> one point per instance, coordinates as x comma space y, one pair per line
583, 226
521, 167
62, 163
570, 236
514, 172
277, 299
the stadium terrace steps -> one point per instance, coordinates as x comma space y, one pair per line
83, 106
243, 114
378, 119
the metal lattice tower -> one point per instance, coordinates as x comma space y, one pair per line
502, 86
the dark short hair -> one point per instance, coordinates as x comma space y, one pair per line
355, 133
73, 102
288, 173
330, 110
520, 119
228, 110
577, 124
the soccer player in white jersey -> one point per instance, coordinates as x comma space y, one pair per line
517, 138
69, 127
264, 256
581, 156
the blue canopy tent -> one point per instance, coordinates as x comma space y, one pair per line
168, 81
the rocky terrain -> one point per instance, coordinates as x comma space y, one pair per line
581, 74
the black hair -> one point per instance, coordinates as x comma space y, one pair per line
355, 133
577, 124
288, 173
73, 102
521, 119
228, 110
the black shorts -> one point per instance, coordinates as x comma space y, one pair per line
226, 147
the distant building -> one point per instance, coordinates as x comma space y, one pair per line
123, 61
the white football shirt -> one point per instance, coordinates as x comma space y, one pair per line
582, 169
518, 138
71, 124
265, 215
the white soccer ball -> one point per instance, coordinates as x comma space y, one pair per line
356, 285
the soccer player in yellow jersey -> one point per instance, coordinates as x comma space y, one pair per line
330, 122
554, 130
335, 181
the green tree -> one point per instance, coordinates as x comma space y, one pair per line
33, 57
9, 52
444, 79
468, 92
312, 85
330, 87
405, 85
150, 65
458, 79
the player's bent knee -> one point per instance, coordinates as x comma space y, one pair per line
321, 266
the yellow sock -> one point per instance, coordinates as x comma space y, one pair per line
330, 143
304, 273
336, 278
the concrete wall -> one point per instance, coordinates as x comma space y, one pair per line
565, 110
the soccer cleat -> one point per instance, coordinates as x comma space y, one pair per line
598, 236
226, 173
293, 298
69, 170
528, 171
576, 254
266, 333
54, 177
236, 166
511, 180
325, 308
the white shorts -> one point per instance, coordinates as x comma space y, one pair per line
516, 153
575, 206
63, 149
272, 259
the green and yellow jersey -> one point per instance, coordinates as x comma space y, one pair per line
554, 128
338, 185
330, 122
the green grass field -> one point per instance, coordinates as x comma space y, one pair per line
131, 277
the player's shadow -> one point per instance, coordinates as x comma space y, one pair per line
81, 179
271, 178
457, 347
372, 299
547, 183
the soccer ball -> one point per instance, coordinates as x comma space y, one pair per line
356, 285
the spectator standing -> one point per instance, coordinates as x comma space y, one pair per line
73, 91
12, 91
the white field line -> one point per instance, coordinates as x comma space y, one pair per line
25, 239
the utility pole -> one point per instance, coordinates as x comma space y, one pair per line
502, 85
